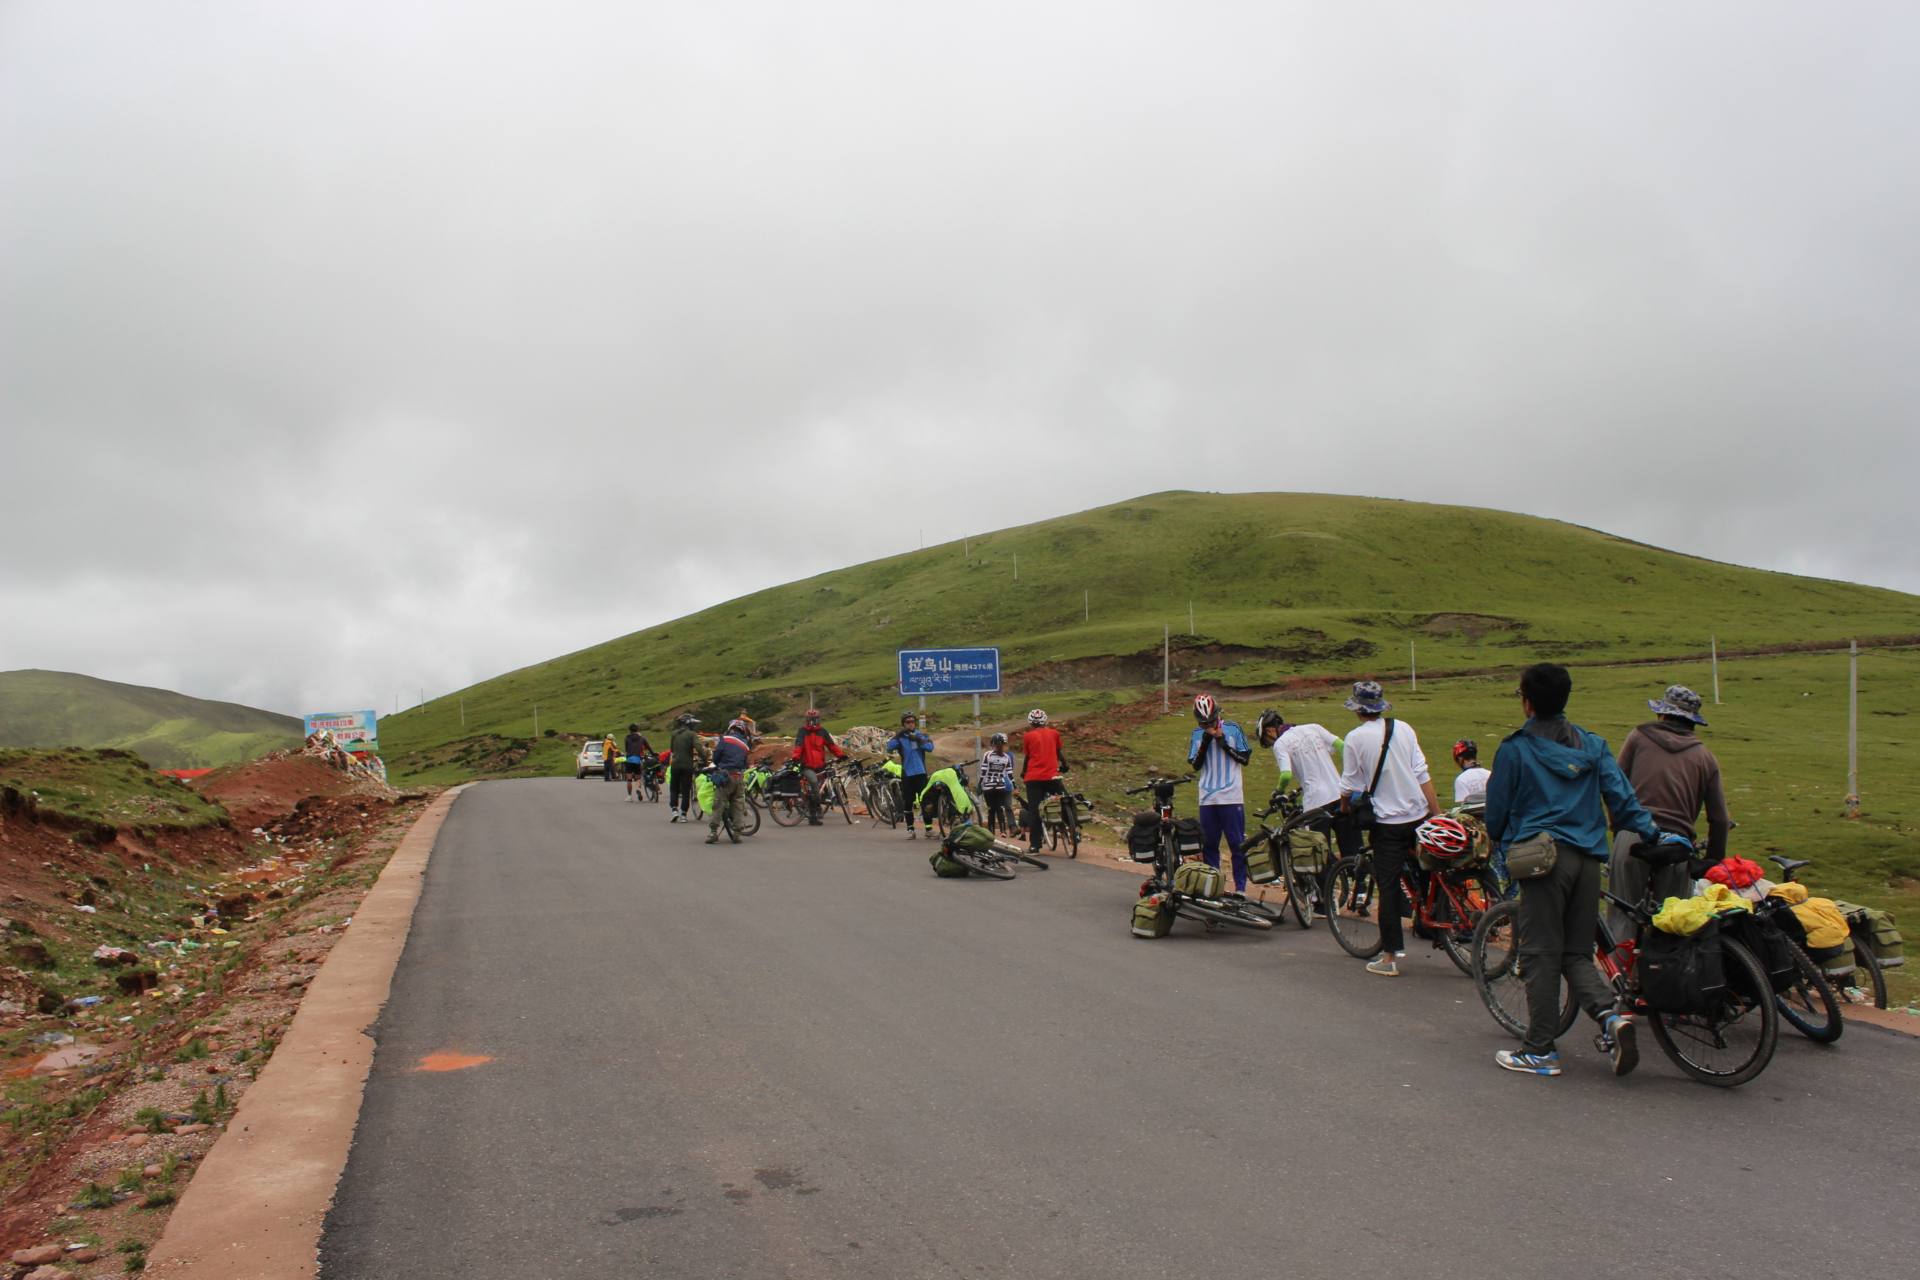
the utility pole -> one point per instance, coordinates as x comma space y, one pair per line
1086, 604
423, 697
1853, 728
1166, 669
463, 713
1713, 647
1190, 630
1016, 566
976, 726
1413, 669
536, 719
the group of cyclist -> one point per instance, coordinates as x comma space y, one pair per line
1373, 789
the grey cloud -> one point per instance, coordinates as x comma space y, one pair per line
392, 305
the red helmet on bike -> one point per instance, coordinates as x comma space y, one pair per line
1444, 839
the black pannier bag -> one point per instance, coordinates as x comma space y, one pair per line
1187, 839
1683, 974
1143, 839
1758, 933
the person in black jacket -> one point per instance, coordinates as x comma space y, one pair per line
638, 749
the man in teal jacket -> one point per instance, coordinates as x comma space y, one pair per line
1554, 777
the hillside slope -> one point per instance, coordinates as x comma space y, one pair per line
1282, 586
168, 730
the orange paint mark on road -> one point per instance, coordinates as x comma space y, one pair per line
452, 1061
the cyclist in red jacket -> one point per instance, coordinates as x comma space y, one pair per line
1045, 761
811, 747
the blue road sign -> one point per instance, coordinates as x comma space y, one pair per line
933, 671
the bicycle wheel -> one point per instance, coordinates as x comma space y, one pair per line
1733, 1044
1013, 849
747, 819
1810, 1004
1070, 827
1352, 907
787, 811
840, 802
1456, 928
1867, 974
1500, 974
1216, 913
984, 863
1303, 888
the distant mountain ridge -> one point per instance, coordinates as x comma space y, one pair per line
1280, 586
166, 729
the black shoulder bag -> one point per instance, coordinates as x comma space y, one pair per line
1362, 809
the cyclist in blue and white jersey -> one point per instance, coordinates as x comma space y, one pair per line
1218, 751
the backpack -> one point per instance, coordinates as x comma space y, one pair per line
1187, 839
968, 835
1682, 973
1761, 934
1196, 880
1143, 839
1152, 916
944, 867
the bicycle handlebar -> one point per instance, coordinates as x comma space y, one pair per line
1152, 783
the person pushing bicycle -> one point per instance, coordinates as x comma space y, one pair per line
730, 758
811, 747
1045, 762
638, 752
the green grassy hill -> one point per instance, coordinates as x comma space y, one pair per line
168, 730
1282, 586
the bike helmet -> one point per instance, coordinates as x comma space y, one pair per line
1465, 749
740, 728
1205, 709
1269, 720
909, 718
1443, 839
1036, 717
998, 740
812, 716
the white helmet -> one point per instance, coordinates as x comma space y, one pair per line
1036, 717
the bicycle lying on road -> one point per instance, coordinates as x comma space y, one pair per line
1299, 849
1727, 1042
1172, 845
992, 857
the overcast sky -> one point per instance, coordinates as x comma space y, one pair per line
335, 338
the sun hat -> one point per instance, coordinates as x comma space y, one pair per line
1368, 698
1680, 701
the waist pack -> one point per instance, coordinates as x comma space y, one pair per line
944, 867
1143, 838
1263, 863
1683, 973
1152, 916
1187, 838
1761, 935
1196, 880
1875, 928
969, 835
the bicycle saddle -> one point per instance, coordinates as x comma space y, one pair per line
1790, 865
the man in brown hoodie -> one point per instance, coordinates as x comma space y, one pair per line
1675, 776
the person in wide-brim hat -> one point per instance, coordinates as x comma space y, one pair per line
1680, 702
1368, 699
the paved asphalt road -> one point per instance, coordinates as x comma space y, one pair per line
806, 1056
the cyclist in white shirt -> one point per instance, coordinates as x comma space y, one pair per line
1309, 754
1471, 786
1402, 799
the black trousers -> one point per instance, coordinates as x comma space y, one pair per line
1036, 792
1392, 851
999, 806
680, 789
1559, 918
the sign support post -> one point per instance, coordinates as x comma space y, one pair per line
1853, 728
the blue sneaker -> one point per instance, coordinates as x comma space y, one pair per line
1618, 1031
1533, 1064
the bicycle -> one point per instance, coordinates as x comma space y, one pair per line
748, 822
1874, 989
1060, 820
784, 796
831, 793
1300, 879
1000, 860
1167, 855
1446, 911
1727, 1046
877, 794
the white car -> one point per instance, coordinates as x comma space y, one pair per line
591, 760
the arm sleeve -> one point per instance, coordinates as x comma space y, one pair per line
1237, 747
1500, 789
1623, 807
1196, 748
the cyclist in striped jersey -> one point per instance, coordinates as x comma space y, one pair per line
1219, 752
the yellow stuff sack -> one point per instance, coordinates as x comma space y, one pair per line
1682, 917
1824, 924
1721, 900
